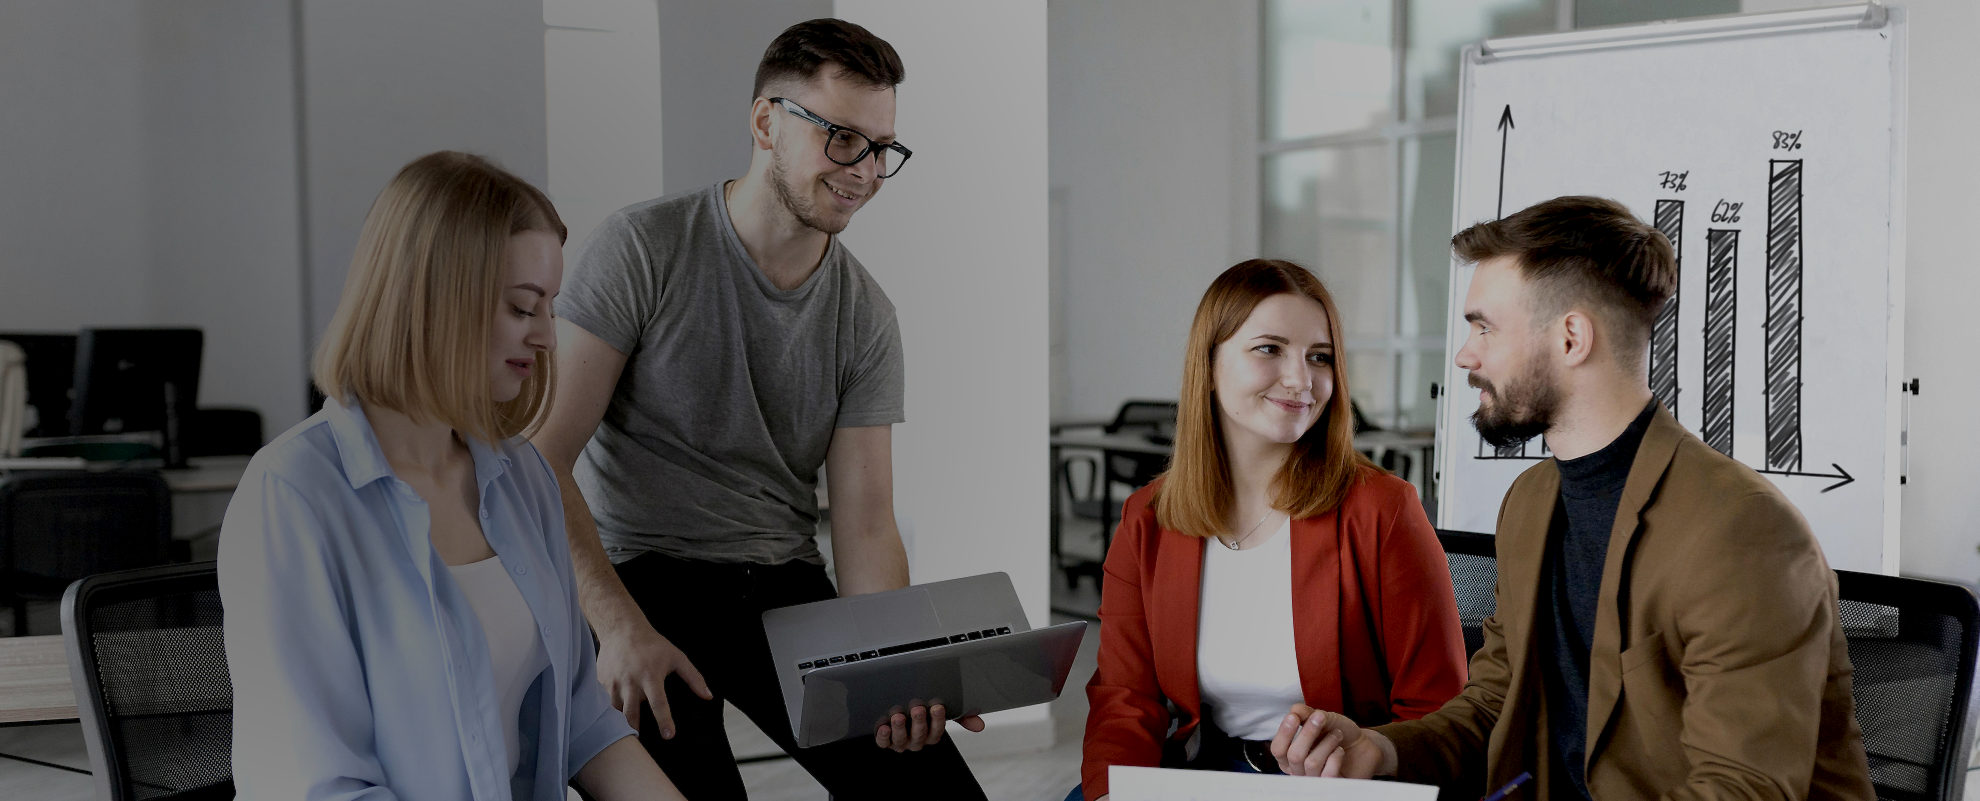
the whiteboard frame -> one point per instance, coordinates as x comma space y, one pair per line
1893, 19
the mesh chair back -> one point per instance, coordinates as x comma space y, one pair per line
1151, 415
63, 525
1474, 563
58, 526
1913, 644
1136, 469
149, 663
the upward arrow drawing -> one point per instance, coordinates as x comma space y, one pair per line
1505, 127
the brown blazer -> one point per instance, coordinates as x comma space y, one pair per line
1718, 669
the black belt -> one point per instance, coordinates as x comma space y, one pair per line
1216, 747
1258, 754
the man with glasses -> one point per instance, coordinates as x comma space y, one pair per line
725, 346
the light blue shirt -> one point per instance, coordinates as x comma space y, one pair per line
360, 670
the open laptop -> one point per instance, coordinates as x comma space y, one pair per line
847, 664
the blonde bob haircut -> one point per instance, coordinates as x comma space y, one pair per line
411, 331
1196, 496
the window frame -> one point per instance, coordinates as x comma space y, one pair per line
1396, 134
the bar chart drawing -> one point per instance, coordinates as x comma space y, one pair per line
1664, 331
1784, 313
1721, 336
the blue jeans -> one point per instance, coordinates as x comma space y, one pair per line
1235, 766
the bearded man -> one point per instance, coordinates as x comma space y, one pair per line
725, 345
1666, 623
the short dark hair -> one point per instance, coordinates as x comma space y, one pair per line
1591, 250
803, 49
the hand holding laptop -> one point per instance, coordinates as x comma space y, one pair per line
898, 665
918, 727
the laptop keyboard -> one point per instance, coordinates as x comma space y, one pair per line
827, 661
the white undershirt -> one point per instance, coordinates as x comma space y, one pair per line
1245, 663
515, 650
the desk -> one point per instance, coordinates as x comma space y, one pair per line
200, 495
34, 681
204, 474
208, 474
200, 492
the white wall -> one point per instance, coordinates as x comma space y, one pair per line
150, 181
220, 172
1154, 109
387, 81
72, 214
958, 240
648, 98
709, 53
602, 91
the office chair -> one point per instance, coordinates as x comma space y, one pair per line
1474, 563
149, 664
1913, 644
59, 526
1155, 420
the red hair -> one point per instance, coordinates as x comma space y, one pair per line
1196, 496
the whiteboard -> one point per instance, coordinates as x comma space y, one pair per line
1770, 148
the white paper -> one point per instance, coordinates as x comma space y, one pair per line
1161, 784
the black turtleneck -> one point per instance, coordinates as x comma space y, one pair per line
1577, 549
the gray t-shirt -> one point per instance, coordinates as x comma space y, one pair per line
711, 446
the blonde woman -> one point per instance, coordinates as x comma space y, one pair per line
402, 621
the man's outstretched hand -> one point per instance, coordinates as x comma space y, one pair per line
918, 727
1318, 743
634, 664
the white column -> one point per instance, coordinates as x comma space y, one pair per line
385, 82
602, 87
959, 242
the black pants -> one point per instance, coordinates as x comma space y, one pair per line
714, 614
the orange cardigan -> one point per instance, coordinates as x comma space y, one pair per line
1374, 616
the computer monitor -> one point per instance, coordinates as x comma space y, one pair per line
51, 368
137, 379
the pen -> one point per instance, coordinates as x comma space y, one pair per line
1510, 786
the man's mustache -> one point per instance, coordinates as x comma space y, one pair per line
1479, 383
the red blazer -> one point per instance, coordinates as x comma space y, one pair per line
1373, 612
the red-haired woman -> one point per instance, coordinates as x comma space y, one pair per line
1272, 565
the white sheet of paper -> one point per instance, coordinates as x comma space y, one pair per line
1162, 784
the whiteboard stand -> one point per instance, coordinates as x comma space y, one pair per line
1770, 148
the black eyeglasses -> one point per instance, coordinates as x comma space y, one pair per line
845, 146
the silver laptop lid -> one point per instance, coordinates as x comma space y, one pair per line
810, 636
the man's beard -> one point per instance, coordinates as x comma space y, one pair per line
799, 206
1522, 410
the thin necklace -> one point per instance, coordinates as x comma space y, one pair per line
1233, 544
